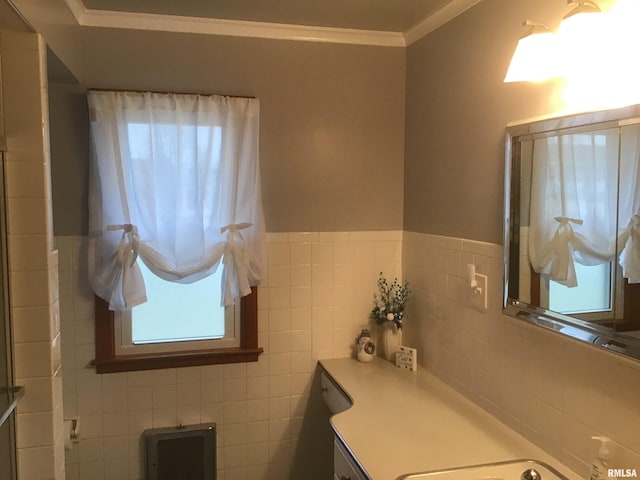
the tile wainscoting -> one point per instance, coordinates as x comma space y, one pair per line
33, 268
312, 305
555, 391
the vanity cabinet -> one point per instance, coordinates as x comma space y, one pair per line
344, 466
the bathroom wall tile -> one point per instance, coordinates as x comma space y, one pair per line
279, 297
139, 421
279, 275
29, 288
259, 368
280, 342
278, 431
91, 470
32, 359
363, 236
235, 456
301, 362
114, 401
36, 463
139, 398
258, 452
89, 402
28, 252
234, 412
27, 216
31, 324
305, 314
167, 376
116, 469
35, 429
188, 415
165, 417
235, 434
114, 424
300, 253
211, 372
279, 408
321, 253
556, 391
279, 385
257, 410
343, 252
188, 394
300, 275
212, 412
279, 320
278, 254
235, 389
116, 447
165, 396
91, 450
277, 237
212, 392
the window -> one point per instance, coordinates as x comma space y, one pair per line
202, 323
108, 360
176, 229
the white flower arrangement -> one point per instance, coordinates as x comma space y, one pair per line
390, 301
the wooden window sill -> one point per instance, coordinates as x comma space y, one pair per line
129, 363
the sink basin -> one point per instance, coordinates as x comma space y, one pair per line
511, 470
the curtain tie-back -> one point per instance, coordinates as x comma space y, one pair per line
236, 261
559, 258
235, 244
235, 227
568, 220
630, 255
129, 243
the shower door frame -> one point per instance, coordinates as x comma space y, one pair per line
11, 393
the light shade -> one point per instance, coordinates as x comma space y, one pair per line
535, 58
583, 42
582, 23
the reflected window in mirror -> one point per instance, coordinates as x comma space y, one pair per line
572, 234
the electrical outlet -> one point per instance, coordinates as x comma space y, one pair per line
479, 293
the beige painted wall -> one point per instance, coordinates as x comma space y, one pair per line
332, 120
457, 109
69, 132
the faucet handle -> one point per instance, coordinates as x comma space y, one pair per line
530, 474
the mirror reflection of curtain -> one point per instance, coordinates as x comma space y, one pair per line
574, 198
629, 209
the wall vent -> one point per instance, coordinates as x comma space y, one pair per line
181, 453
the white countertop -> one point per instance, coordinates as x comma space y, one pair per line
403, 422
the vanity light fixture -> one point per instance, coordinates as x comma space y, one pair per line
538, 53
535, 54
581, 23
582, 6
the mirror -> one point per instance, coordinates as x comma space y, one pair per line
572, 226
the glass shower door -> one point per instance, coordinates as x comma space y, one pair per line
9, 394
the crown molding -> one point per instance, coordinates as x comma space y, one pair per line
277, 31
434, 21
235, 28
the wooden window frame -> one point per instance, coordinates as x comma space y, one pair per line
107, 361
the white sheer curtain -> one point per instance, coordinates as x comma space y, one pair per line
629, 209
574, 198
175, 182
